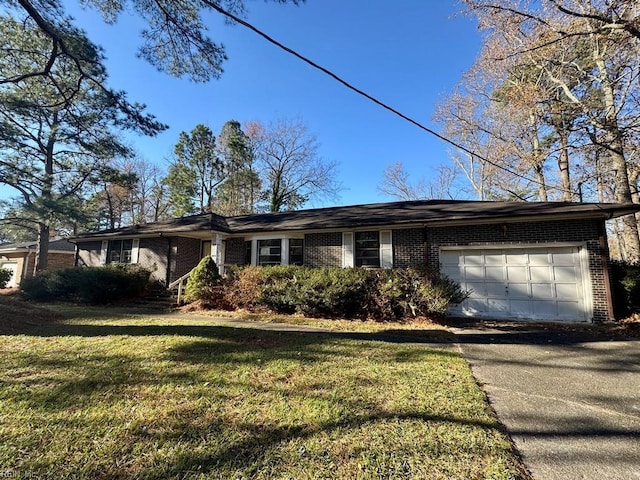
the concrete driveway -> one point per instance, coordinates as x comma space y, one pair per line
570, 400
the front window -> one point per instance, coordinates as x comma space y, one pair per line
296, 251
269, 252
120, 251
367, 249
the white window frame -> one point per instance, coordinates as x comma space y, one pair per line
284, 246
385, 252
135, 250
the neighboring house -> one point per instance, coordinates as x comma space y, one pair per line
544, 261
20, 258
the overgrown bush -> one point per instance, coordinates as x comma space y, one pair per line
338, 292
203, 279
625, 280
92, 285
5, 276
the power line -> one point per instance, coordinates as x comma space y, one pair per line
369, 97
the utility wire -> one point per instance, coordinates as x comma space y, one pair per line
369, 97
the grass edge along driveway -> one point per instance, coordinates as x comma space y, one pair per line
146, 397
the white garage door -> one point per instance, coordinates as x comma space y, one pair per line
525, 283
13, 267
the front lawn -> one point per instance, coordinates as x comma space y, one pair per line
146, 397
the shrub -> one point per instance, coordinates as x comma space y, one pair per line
338, 292
92, 285
242, 287
625, 279
202, 280
5, 276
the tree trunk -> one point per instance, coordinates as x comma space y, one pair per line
618, 163
563, 166
42, 248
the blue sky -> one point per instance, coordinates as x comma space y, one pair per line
408, 53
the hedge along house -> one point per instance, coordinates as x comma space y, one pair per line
540, 261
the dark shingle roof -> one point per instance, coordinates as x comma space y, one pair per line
200, 222
419, 212
57, 244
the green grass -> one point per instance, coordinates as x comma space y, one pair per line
142, 397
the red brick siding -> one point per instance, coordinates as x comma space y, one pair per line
60, 260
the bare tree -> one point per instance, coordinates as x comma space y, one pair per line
292, 172
584, 55
396, 183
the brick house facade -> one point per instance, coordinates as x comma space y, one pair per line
520, 260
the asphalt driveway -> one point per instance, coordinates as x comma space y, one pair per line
570, 400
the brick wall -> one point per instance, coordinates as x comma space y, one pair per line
582, 230
186, 255
234, 251
60, 260
152, 255
323, 249
408, 248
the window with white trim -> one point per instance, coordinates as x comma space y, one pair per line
367, 249
296, 251
120, 251
270, 252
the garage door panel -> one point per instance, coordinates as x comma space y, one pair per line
473, 259
518, 290
565, 274
568, 309
494, 274
478, 290
498, 305
517, 274
541, 258
542, 283
540, 274
493, 258
450, 258
516, 258
521, 308
563, 258
545, 308
496, 290
473, 273
542, 290
567, 291
453, 272
475, 306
